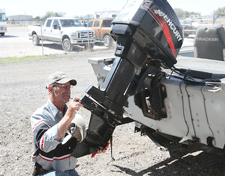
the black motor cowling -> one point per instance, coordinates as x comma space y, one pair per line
144, 30
151, 27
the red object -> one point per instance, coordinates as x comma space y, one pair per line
100, 151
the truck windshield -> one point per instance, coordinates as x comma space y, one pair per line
70, 23
2, 17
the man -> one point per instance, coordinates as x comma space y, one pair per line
50, 124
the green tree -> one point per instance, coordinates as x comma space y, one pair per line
196, 14
220, 11
37, 18
179, 12
53, 14
186, 14
192, 14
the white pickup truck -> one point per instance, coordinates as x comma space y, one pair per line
3, 22
68, 31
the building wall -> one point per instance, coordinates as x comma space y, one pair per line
106, 14
20, 19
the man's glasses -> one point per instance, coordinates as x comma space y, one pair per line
63, 86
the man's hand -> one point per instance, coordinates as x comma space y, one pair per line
100, 151
75, 104
68, 117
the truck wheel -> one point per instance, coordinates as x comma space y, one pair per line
35, 39
66, 45
107, 40
2, 34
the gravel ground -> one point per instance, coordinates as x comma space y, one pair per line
22, 87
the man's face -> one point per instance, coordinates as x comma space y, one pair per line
62, 93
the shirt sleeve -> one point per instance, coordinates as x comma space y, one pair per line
45, 136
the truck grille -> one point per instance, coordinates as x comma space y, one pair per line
85, 35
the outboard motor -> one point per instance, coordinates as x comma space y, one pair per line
147, 33
210, 42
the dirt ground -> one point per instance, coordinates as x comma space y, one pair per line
22, 87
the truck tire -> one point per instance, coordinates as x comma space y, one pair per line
66, 45
35, 39
107, 40
2, 34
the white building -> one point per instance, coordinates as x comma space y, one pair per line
103, 14
20, 19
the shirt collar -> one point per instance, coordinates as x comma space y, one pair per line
55, 110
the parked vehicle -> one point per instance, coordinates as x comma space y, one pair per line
102, 30
190, 26
3, 23
68, 31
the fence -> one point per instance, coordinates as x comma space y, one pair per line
25, 22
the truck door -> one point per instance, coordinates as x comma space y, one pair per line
96, 28
46, 31
56, 31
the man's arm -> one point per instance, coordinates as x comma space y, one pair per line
44, 135
68, 117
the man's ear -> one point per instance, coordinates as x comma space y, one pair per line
50, 88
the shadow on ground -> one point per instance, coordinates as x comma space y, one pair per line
200, 165
57, 46
77, 48
8, 36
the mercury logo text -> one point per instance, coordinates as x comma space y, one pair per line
170, 24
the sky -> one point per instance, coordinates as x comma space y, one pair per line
74, 8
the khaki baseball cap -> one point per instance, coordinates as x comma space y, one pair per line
61, 78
